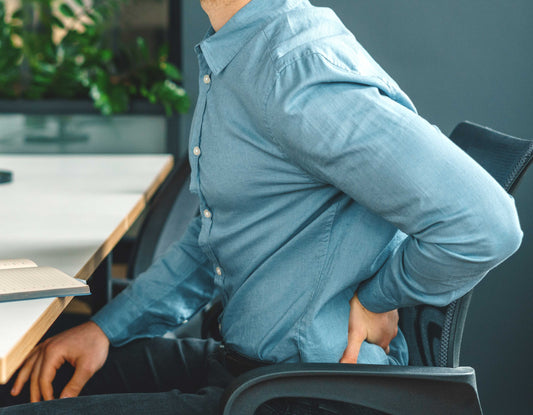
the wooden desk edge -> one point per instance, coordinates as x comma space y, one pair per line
14, 358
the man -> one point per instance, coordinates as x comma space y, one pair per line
326, 204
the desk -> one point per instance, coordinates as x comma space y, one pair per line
67, 212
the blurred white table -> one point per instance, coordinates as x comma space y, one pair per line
65, 211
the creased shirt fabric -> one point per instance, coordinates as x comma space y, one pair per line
316, 179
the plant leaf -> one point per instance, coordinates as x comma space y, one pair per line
66, 10
58, 22
171, 71
141, 44
17, 14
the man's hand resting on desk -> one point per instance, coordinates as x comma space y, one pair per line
375, 328
85, 347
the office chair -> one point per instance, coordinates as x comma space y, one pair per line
432, 383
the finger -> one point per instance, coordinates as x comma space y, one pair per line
351, 353
77, 382
35, 392
24, 373
49, 366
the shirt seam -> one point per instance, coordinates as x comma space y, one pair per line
353, 71
269, 92
269, 46
327, 60
317, 282
278, 145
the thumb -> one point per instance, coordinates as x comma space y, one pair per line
351, 353
76, 383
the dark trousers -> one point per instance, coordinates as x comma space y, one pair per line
156, 376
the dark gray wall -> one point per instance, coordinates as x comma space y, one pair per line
457, 59
195, 25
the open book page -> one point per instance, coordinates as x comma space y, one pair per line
16, 263
38, 282
35, 279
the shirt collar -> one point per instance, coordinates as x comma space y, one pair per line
219, 48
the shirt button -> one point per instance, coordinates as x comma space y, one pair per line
207, 79
207, 213
196, 151
218, 270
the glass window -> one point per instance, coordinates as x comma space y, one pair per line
52, 125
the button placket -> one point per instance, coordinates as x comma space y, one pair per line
196, 133
219, 279
202, 103
207, 214
196, 140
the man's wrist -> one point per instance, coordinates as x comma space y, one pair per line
373, 299
98, 331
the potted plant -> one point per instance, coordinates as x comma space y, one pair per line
62, 49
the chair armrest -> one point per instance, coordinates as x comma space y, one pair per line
392, 389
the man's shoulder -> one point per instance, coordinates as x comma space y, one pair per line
314, 42
317, 34
302, 32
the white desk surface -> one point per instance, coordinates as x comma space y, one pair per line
65, 211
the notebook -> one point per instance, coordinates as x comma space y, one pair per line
22, 279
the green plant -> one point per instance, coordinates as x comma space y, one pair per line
61, 49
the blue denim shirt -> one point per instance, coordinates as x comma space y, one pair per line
316, 179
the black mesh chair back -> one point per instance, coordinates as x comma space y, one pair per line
171, 210
434, 334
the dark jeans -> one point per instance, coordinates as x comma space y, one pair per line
156, 376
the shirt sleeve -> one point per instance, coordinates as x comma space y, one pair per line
459, 221
173, 289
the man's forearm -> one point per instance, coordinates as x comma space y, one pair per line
168, 293
434, 273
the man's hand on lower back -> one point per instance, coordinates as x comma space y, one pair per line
85, 347
375, 328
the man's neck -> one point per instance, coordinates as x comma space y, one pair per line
220, 11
